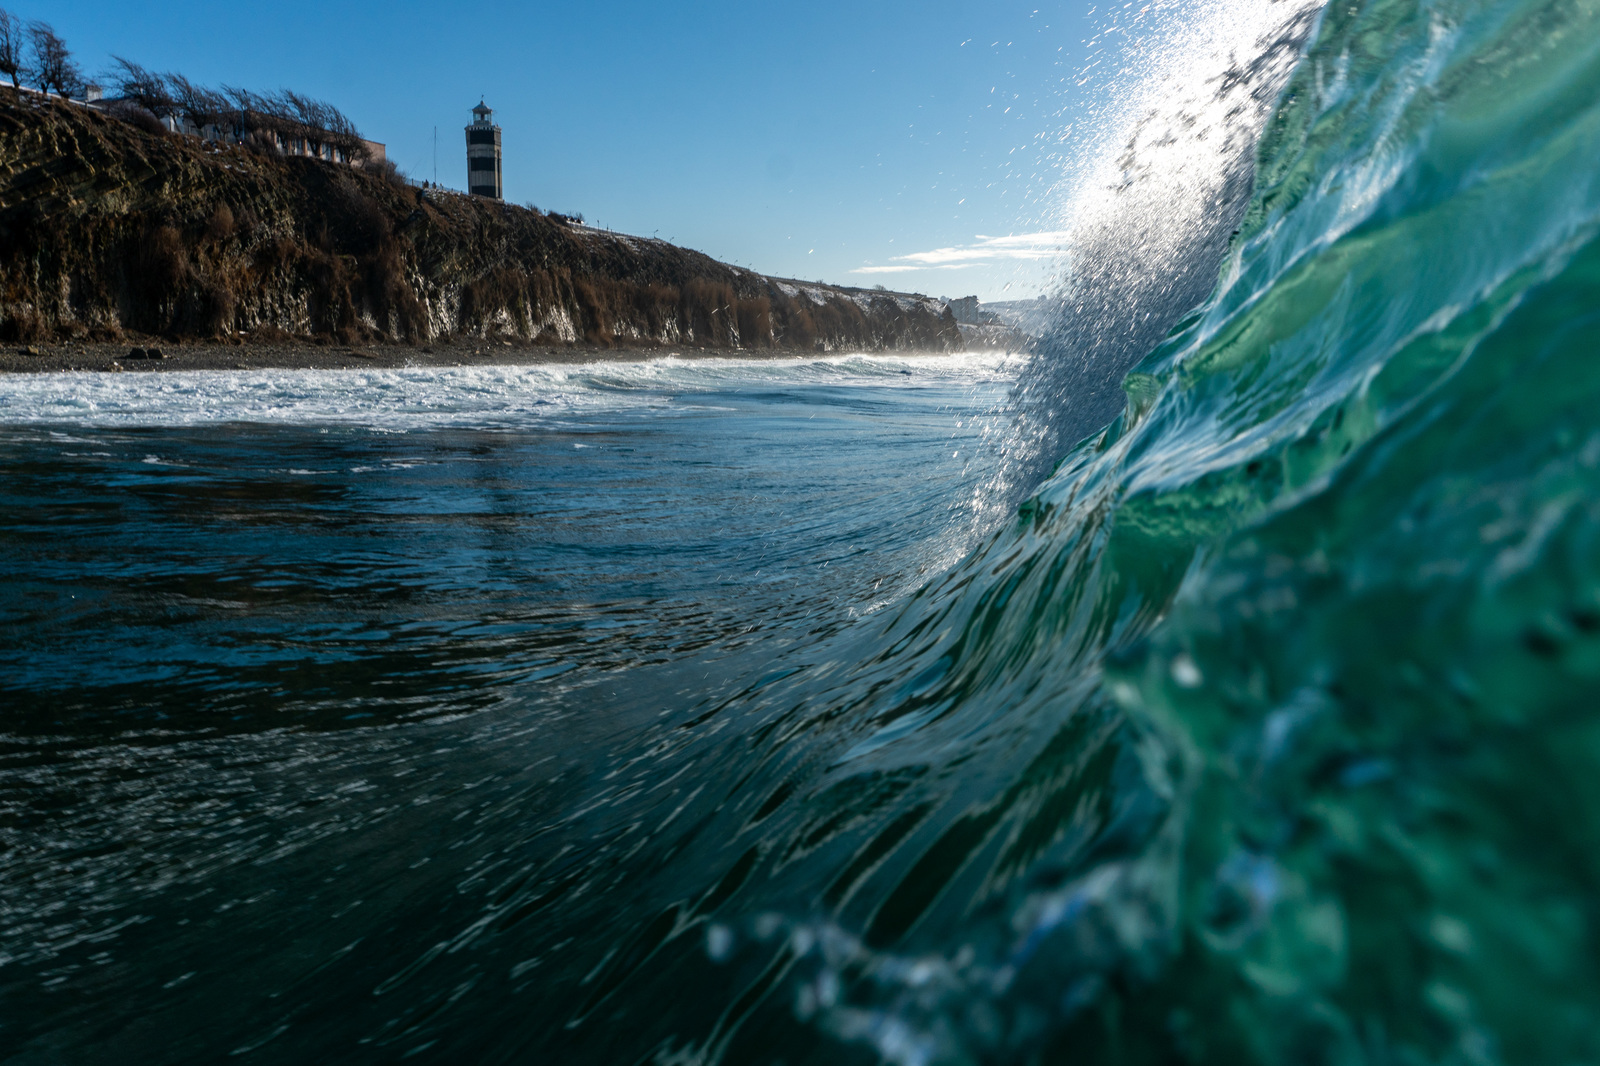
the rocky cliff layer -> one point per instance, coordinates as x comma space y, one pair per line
105, 228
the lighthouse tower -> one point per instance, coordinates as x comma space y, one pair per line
483, 153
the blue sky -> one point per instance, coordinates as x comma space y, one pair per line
896, 143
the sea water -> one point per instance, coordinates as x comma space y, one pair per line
913, 711
253, 618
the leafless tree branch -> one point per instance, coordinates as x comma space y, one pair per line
11, 41
200, 106
143, 87
52, 68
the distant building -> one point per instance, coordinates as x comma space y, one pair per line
968, 312
483, 153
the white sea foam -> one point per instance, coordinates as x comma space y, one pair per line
423, 397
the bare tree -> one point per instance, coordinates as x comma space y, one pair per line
143, 87
325, 125
52, 69
349, 139
245, 112
197, 104
344, 135
275, 121
299, 114
241, 99
11, 33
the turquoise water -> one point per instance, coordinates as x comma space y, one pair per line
1255, 726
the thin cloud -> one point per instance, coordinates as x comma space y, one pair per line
1031, 246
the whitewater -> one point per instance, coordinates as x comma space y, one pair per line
1215, 684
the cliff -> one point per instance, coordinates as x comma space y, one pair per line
107, 228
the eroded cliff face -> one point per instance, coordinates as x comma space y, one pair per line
105, 228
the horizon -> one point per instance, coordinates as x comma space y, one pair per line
926, 165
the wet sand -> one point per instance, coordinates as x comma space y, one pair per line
118, 357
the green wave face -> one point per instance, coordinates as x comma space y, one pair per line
1329, 592
1382, 440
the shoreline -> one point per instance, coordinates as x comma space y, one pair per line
109, 357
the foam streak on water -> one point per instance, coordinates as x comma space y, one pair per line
399, 400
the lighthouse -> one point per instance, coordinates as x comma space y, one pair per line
483, 153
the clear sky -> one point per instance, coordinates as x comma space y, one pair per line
889, 142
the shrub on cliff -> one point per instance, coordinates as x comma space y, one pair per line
137, 117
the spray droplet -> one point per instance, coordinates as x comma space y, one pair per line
1185, 672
